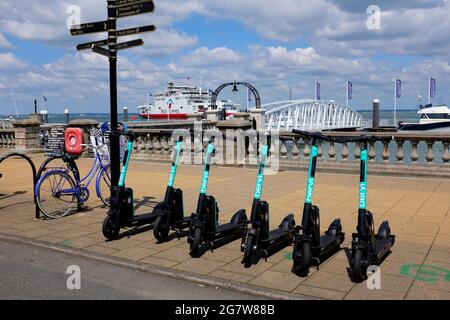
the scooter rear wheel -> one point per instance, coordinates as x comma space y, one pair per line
195, 244
357, 267
161, 229
248, 252
110, 227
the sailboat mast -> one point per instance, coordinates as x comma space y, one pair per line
14, 102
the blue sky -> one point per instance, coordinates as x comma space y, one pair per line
274, 46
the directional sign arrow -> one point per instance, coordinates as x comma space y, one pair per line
131, 31
121, 3
128, 44
88, 45
134, 9
92, 27
101, 51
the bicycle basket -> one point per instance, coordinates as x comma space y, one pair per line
99, 144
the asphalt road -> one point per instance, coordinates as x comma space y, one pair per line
27, 272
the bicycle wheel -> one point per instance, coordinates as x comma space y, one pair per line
104, 185
56, 194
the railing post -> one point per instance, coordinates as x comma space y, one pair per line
372, 153
400, 154
283, 150
345, 152
332, 152
430, 155
306, 149
446, 154
414, 152
320, 150
357, 152
385, 152
295, 152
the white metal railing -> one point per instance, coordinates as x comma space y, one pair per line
311, 115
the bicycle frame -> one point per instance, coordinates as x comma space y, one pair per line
82, 184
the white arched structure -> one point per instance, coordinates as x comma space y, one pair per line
310, 115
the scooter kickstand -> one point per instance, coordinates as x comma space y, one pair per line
317, 260
265, 255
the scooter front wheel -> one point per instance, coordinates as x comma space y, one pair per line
248, 252
302, 262
357, 267
110, 227
196, 242
161, 229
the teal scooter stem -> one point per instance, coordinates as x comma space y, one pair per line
122, 214
205, 232
170, 212
368, 248
258, 241
310, 247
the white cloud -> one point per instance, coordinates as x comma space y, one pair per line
9, 61
4, 43
165, 42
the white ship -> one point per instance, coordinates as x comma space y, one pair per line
432, 119
177, 102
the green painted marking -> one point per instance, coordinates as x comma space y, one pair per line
66, 243
288, 256
425, 273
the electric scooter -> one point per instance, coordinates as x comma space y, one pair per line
309, 246
258, 241
170, 212
121, 213
204, 227
368, 248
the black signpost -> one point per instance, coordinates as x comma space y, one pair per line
116, 9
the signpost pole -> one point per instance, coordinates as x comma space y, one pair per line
114, 139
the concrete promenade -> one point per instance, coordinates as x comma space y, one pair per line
417, 209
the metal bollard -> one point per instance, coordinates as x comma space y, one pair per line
125, 114
66, 116
376, 114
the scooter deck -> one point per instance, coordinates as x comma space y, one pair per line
328, 242
277, 241
383, 246
228, 228
277, 235
141, 219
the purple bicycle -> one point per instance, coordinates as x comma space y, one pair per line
60, 190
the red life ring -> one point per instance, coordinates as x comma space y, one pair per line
74, 141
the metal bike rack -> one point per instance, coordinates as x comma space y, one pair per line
35, 177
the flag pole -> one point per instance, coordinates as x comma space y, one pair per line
395, 103
346, 92
429, 90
